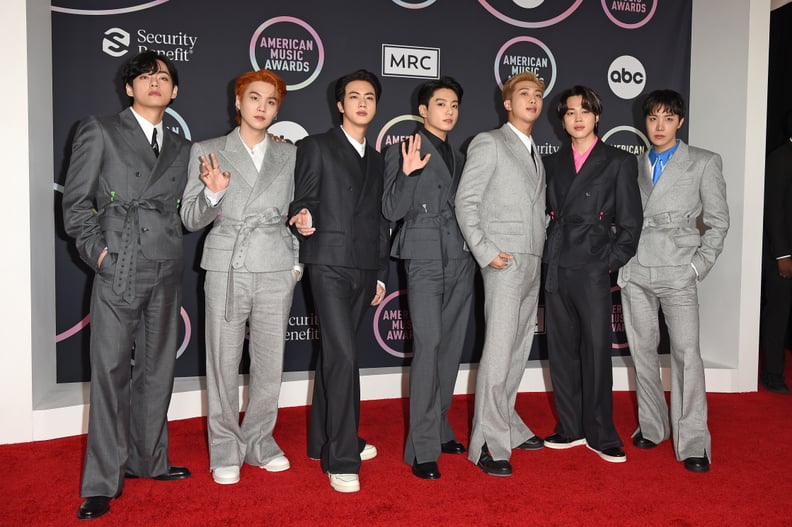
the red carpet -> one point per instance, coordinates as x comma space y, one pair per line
749, 483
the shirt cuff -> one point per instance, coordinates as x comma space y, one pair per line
382, 285
785, 256
694, 269
213, 198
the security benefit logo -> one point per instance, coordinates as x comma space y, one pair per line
289, 47
409, 61
393, 326
629, 14
178, 46
522, 54
531, 13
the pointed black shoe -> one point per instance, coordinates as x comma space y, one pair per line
452, 447
93, 507
492, 467
697, 464
532, 443
428, 470
173, 473
641, 442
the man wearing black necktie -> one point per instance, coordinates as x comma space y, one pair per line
421, 177
121, 204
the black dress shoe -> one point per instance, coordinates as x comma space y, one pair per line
641, 442
172, 474
697, 464
532, 443
490, 466
774, 383
452, 447
93, 507
428, 470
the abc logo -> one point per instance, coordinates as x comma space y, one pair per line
626, 77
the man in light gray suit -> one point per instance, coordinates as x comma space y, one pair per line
251, 262
500, 208
680, 186
420, 191
121, 204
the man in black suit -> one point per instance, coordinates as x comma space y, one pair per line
595, 220
121, 204
777, 264
421, 178
337, 210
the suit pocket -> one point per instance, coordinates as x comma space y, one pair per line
688, 240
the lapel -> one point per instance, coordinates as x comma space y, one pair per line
348, 158
591, 169
677, 166
237, 155
271, 165
530, 176
645, 176
439, 168
140, 148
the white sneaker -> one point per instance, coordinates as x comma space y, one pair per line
278, 464
344, 482
369, 452
226, 475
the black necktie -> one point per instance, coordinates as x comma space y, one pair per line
154, 145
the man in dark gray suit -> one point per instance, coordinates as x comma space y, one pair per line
500, 206
420, 191
121, 204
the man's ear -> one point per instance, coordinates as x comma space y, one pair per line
681, 122
175, 92
340, 106
129, 91
507, 105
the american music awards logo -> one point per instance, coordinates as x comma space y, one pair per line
414, 4
522, 54
531, 13
289, 47
627, 138
392, 324
397, 130
629, 14
109, 7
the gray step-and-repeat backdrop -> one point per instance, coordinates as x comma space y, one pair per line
621, 48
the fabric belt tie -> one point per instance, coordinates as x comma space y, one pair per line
439, 219
554, 244
268, 219
126, 265
666, 219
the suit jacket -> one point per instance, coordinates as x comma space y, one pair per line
115, 182
690, 186
595, 215
250, 229
344, 198
500, 202
425, 202
778, 202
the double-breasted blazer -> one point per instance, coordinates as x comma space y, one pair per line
123, 186
595, 215
425, 202
250, 231
500, 205
343, 193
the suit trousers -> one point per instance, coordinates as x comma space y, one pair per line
776, 305
511, 299
439, 298
578, 321
673, 289
341, 296
127, 420
262, 302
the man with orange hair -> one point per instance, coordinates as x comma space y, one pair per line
243, 183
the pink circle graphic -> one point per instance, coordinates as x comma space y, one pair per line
548, 85
87, 320
376, 328
625, 25
102, 12
531, 25
305, 26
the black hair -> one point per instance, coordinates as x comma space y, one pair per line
146, 62
668, 100
589, 98
359, 75
427, 89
